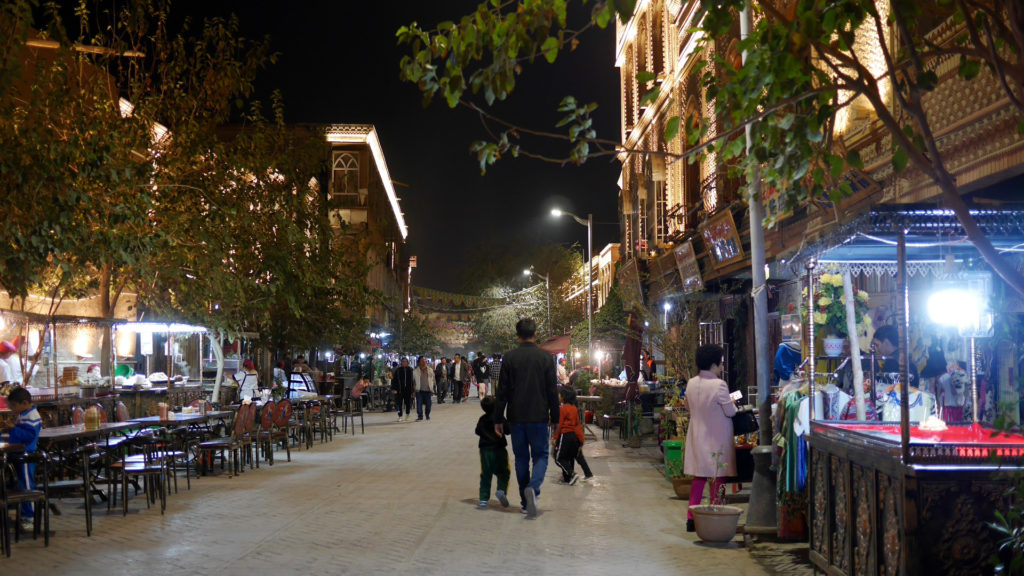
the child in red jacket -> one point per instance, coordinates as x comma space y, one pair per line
568, 435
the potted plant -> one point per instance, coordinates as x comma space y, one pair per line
681, 483
829, 312
716, 522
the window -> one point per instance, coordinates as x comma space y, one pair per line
345, 176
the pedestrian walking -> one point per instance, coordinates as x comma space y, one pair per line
710, 452
423, 379
458, 374
568, 435
481, 374
441, 380
493, 456
526, 399
402, 387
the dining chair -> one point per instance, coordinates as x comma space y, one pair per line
80, 466
354, 407
233, 444
146, 464
284, 420
38, 496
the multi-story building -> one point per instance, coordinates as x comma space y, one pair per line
362, 195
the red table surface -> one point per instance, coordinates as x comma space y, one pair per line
973, 434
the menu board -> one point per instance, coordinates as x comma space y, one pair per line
722, 239
689, 270
629, 285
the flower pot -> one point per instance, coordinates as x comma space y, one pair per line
833, 346
682, 486
715, 523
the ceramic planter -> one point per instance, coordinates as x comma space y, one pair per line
682, 486
716, 523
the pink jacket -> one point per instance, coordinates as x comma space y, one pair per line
710, 429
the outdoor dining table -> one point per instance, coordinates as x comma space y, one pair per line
52, 436
176, 418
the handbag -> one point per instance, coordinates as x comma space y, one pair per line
744, 422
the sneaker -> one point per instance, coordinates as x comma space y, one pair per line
26, 525
482, 505
419, 419
575, 478
500, 495
531, 502
399, 418
523, 510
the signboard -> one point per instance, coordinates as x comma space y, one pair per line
629, 285
722, 239
689, 270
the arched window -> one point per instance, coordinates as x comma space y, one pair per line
345, 175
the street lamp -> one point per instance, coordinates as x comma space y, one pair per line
666, 307
589, 223
547, 290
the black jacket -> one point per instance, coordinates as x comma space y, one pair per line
480, 369
463, 374
488, 438
401, 381
526, 387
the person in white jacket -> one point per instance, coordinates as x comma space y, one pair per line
423, 384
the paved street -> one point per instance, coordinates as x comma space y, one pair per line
400, 499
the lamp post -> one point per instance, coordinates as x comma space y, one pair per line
666, 307
589, 223
547, 291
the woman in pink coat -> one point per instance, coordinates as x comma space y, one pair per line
711, 410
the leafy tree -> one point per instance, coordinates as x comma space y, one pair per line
495, 329
802, 71
228, 230
418, 337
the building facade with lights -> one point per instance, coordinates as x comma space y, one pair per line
867, 506
362, 195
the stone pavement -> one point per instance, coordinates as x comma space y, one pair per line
400, 499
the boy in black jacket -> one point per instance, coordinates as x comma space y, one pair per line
493, 456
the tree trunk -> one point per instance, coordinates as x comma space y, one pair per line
217, 344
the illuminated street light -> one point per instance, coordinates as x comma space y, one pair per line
589, 223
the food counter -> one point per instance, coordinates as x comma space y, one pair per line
873, 512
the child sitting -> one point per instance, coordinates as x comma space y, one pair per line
25, 431
493, 456
568, 435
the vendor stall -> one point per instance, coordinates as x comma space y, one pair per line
905, 470
157, 363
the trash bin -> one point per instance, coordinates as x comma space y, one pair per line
673, 455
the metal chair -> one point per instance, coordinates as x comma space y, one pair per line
39, 497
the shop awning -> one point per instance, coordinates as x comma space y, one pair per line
934, 238
556, 345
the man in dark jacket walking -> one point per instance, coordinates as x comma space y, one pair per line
402, 388
527, 399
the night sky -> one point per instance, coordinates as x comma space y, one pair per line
339, 64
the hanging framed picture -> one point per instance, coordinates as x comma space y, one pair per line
722, 239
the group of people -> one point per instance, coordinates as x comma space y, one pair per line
526, 408
418, 385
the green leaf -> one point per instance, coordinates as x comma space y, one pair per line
853, 159
650, 96
550, 49
835, 163
604, 14
899, 160
671, 128
624, 8
644, 77
969, 68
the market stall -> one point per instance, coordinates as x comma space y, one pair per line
157, 363
905, 466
